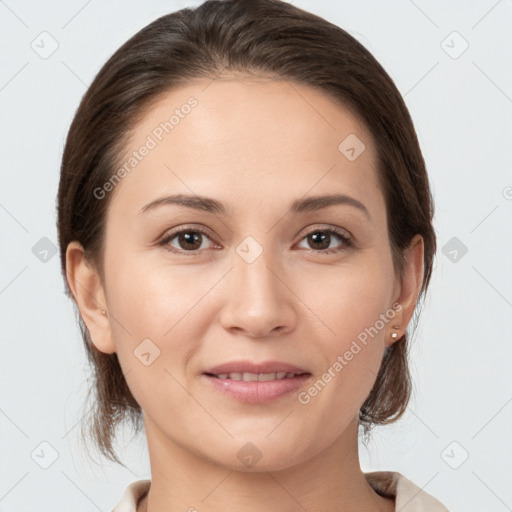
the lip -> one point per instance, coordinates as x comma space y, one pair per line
250, 367
256, 392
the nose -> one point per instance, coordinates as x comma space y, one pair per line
259, 299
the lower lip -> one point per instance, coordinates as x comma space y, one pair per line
258, 392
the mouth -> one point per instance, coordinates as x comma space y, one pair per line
256, 377
275, 369
256, 383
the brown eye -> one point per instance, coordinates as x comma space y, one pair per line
186, 240
190, 240
320, 240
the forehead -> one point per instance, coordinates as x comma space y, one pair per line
247, 140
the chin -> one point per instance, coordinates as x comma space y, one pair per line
261, 454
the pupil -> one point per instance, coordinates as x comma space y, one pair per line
190, 237
320, 237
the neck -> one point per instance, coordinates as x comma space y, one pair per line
331, 480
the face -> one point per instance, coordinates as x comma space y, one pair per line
250, 270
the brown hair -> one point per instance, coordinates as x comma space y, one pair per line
256, 37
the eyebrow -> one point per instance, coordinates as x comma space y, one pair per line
208, 204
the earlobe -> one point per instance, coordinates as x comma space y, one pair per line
87, 289
409, 288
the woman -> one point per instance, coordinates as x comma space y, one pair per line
245, 225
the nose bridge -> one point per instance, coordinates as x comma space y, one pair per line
253, 270
258, 302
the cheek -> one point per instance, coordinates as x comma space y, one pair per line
151, 299
353, 305
153, 327
351, 355
352, 298
168, 305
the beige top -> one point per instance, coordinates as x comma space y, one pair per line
390, 484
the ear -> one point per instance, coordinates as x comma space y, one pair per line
408, 289
87, 289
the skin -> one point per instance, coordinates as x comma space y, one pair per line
256, 146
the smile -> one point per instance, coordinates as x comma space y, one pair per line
256, 388
261, 377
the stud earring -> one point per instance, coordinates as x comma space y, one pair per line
394, 335
103, 312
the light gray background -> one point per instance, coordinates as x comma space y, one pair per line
461, 355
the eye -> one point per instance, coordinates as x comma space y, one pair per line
192, 240
322, 238
189, 240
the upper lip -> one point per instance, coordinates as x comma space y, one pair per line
250, 367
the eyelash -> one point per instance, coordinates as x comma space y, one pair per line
347, 241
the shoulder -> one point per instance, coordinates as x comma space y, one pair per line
131, 496
408, 496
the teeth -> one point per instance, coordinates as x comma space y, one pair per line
252, 377
266, 376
